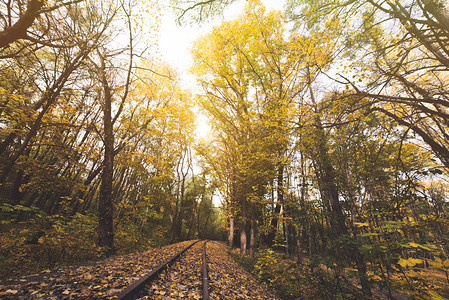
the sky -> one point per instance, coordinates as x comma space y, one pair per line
175, 41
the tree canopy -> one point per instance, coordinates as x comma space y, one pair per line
327, 158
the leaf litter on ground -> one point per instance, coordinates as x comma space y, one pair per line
106, 278
101, 280
228, 280
182, 280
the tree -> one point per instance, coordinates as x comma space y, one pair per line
57, 75
105, 73
20, 17
250, 97
198, 11
403, 67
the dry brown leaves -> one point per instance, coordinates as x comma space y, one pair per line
228, 280
182, 280
101, 280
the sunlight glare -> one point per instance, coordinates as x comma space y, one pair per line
202, 129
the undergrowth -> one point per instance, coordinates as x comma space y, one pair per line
313, 279
292, 280
31, 241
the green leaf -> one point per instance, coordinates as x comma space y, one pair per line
6, 208
411, 262
436, 296
413, 245
370, 234
427, 247
366, 248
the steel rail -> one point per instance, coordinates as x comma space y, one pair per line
131, 291
204, 273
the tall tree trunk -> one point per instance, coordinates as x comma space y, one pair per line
7, 142
192, 221
198, 216
105, 201
16, 194
178, 226
252, 234
231, 229
329, 192
175, 215
243, 239
298, 235
181, 177
173, 230
280, 195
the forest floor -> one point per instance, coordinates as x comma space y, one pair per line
228, 279
293, 279
101, 279
106, 278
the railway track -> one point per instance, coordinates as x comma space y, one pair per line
178, 273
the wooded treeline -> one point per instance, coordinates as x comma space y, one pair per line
329, 139
94, 130
331, 136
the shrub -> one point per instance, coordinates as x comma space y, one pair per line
293, 280
44, 242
